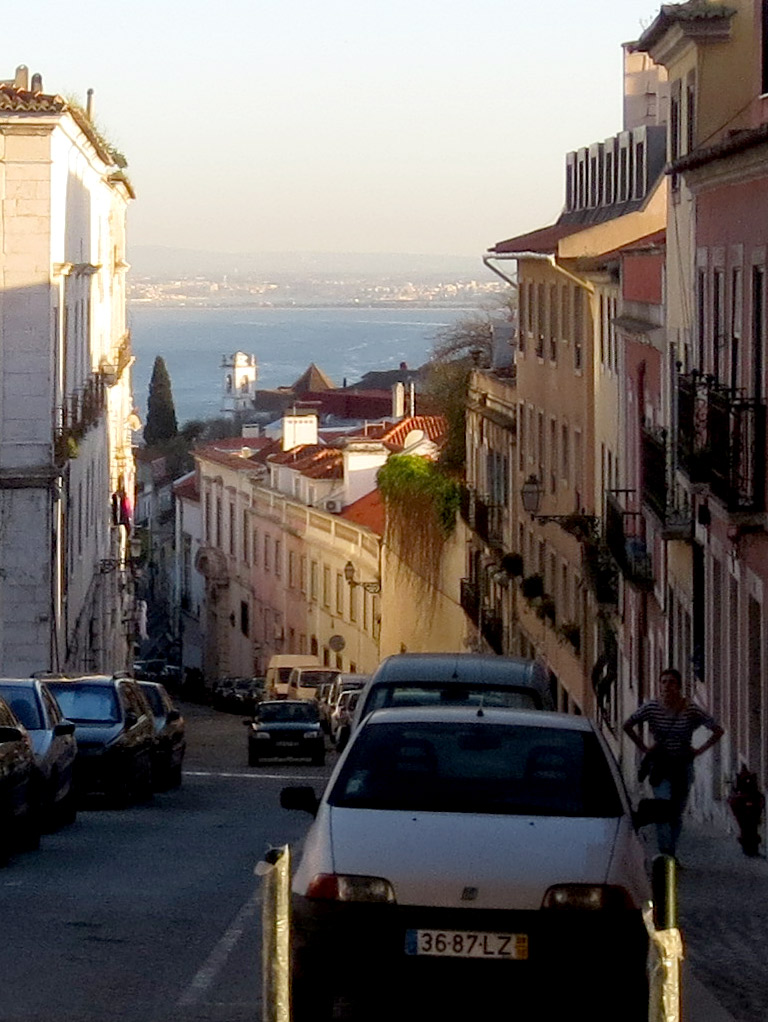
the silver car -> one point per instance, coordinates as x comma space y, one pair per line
53, 743
460, 854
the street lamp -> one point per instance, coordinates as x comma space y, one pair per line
577, 523
349, 575
531, 494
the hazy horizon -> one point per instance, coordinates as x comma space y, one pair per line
394, 126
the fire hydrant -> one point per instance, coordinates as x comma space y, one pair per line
747, 803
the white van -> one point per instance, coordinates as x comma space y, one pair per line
304, 682
279, 671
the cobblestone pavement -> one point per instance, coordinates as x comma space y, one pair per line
723, 906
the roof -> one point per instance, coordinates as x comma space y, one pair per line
434, 428
313, 378
687, 13
368, 511
649, 244
544, 240
247, 455
736, 142
187, 488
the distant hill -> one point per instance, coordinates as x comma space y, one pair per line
165, 263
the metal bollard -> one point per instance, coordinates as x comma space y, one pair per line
275, 872
666, 943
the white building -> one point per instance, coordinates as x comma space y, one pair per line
66, 468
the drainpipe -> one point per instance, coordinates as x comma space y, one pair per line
541, 257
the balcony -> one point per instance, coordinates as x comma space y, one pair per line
676, 523
627, 548
493, 631
489, 523
722, 441
470, 599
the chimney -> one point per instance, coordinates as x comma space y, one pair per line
37, 82
412, 400
398, 401
89, 104
21, 81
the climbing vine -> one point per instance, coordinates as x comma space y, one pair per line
421, 503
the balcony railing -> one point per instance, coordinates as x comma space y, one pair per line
470, 599
493, 631
722, 441
489, 522
627, 548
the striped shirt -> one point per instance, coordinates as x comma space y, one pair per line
672, 729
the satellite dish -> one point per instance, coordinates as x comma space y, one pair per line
413, 439
337, 643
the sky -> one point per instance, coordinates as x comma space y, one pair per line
411, 126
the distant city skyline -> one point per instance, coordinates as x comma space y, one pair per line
411, 126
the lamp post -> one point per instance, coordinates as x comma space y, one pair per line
349, 575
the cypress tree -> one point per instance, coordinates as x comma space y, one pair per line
161, 415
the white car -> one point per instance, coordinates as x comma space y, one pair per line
471, 857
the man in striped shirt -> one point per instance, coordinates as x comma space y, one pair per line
672, 721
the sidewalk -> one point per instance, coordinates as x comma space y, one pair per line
723, 907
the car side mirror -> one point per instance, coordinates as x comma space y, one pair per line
131, 720
10, 734
173, 715
64, 727
301, 797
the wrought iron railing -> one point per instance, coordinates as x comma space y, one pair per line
722, 441
627, 547
489, 522
493, 631
470, 599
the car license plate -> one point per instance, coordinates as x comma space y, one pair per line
464, 944
286, 745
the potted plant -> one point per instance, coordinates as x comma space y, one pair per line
533, 587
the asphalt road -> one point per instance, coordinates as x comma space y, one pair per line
152, 913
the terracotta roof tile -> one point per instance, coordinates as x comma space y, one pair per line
368, 511
188, 489
433, 426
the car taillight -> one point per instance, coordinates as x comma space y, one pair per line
590, 897
338, 887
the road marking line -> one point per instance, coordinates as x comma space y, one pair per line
216, 960
254, 777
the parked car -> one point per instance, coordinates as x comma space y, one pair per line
279, 671
462, 679
19, 787
170, 741
466, 853
115, 733
303, 682
286, 729
341, 717
53, 744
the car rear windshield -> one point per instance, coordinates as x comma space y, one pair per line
311, 679
420, 693
86, 703
286, 713
155, 700
478, 768
23, 702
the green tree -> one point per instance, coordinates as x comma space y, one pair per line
161, 415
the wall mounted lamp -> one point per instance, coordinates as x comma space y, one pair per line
349, 575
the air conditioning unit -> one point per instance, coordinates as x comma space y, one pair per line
333, 506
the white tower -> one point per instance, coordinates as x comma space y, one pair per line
241, 372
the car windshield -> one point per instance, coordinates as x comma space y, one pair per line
419, 693
287, 713
155, 700
23, 702
86, 703
311, 679
478, 768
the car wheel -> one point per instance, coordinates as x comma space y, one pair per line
253, 757
174, 776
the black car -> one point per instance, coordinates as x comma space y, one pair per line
19, 787
170, 741
115, 733
53, 744
286, 729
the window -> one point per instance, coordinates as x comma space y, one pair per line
303, 573
737, 303
353, 590
758, 329
577, 457
245, 621
690, 112
701, 317
552, 455
540, 447
553, 324
673, 148
565, 313
245, 538
639, 170
522, 310
278, 557
313, 580
339, 593
267, 551
565, 467
255, 546
603, 334
231, 529
578, 328
540, 320
326, 586
291, 569
218, 522
718, 322
521, 435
